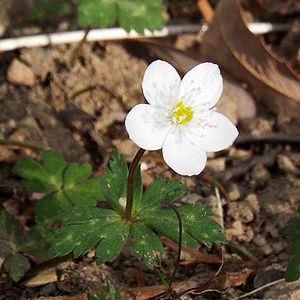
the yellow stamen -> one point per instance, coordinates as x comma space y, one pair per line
182, 114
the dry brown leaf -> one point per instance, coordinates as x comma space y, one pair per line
191, 256
149, 292
42, 278
229, 43
236, 278
206, 10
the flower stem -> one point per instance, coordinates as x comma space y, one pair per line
130, 184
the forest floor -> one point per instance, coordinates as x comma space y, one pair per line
78, 109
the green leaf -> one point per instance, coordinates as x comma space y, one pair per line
165, 222
293, 229
37, 242
94, 13
16, 265
196, 222
147, 245
141, 14
85, 228
162, 191
114, 183
113, 239
65, 185
42, 178
48, 208
47, 10
131, 14
293, 270
11, 237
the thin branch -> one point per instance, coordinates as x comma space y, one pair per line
268, 138
110, 34
259, 289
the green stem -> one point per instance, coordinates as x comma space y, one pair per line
130, 184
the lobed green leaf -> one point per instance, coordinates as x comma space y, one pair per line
65, 185
147, 245
85, 228
293, 229
11, 237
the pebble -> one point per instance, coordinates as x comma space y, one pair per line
259, 240
253, 202
266, 249
234, 192
19, 74
48, 290
286, 164
239, 154
217, 164
260, 174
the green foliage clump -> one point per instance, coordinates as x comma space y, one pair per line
71, 219
130, 14
293, 229
48, 10
11, 239
108, 232
64, 185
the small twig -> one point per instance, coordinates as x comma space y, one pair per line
259, 289
37, 126
236, 248
235, 172
206, 10
268, 138
19, 144
77, 49
198, 290
220, 208
110, 34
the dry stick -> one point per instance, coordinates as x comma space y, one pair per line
199, 290
235, 172
19, 144
76, 51
259, 289
268, 138
206, 10
110, 34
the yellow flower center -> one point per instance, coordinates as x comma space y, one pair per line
182, 114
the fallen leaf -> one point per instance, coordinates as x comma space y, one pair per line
191, 256
42, 278
236, 278
229, 43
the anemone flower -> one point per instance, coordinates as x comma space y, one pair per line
180, 118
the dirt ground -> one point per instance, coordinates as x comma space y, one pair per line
78, 109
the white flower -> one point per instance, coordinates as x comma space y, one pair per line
180, 117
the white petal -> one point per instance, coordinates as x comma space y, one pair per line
161, 84
202, 86
146, 126
183, 156
215, 132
